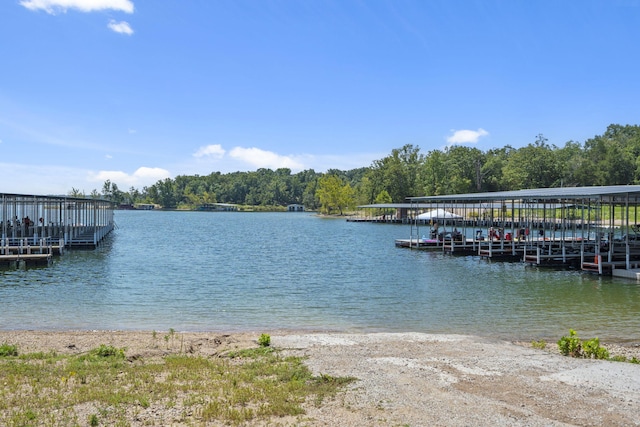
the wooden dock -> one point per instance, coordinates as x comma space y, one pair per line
18, 260
17, 253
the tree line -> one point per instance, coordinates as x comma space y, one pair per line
612, 158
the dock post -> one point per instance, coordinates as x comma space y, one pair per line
599, 260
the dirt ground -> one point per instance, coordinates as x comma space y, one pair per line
412, 379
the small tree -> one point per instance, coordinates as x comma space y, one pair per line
334, 194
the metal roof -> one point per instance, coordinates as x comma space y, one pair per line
397, 206
473, 204
609, 194
53, 197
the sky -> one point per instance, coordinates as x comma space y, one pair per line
136, 91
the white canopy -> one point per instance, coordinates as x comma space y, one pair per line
438, 214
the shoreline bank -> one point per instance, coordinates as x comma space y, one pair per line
407, 378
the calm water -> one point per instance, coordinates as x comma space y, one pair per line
266, 271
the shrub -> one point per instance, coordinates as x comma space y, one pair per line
571, 345
592, 349
574, 347
264, 340
108, 351
8, 350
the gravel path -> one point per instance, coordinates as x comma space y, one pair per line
445, 380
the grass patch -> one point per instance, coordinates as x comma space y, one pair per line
539, 344
102, 387
8, 350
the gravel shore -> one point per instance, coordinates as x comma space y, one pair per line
413, 379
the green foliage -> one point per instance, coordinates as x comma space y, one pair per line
539, 344
8, 350
574, 347
250, 353
571, 345
257, 387
334, 194
264, 340
105, 351
592, 349
608, 159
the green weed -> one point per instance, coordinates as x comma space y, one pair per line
264, 340
246, 386
7, 350
542, 344
574, 347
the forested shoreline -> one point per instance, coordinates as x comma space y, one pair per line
612, 158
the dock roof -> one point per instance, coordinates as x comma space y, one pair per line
607, 194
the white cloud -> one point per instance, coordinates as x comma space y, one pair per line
466, 136
264, 159
53, 6
108, 156
214, 150
37, 179
142, 177
121, 27
43, 180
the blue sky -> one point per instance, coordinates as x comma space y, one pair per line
139, 90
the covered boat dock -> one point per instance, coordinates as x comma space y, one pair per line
34, 228
592, 228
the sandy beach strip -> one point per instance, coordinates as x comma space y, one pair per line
412, 379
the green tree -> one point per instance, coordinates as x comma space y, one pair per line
76, 193
383, 198
464, 169
398, 173
433, 174
533, 166
334, 194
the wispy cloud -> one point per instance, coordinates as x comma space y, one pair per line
466, 136
143, 176
55, 6
213, 150
246, 159
121, 27
265, 159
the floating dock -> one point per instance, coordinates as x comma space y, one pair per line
33, 229
594, 229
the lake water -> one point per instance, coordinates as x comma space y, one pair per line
204, 271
